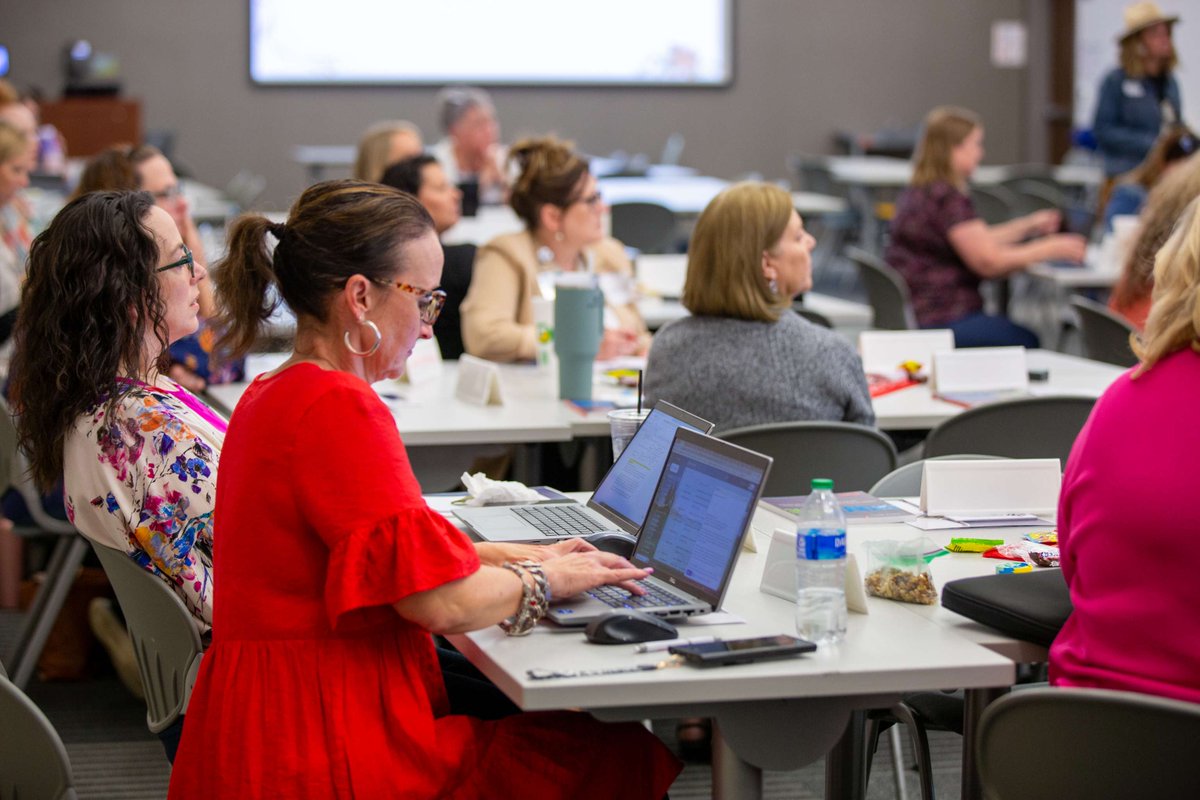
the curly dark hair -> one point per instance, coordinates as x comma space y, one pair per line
90, 298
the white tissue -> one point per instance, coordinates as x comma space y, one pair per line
484, 491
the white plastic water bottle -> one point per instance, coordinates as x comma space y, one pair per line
821, 567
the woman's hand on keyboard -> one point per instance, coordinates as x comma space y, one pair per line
497, 553
577, 572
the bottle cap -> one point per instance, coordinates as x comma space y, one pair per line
818, 484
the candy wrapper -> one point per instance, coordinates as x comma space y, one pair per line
1041, 555
900, 570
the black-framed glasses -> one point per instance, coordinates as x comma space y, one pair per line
429, 302
188, 261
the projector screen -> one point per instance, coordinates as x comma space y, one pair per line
490, 42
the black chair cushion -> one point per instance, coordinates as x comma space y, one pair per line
1031, 606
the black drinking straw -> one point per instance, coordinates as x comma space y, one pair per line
639, 408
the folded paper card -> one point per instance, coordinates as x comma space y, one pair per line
424, 363
478, 382
980, 374
884, 351
972, 489
779, 572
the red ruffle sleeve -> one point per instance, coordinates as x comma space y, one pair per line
364, 502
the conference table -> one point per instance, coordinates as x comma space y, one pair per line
687, 195
784, 714
429, 414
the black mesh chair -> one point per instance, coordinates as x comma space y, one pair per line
853, 456
650, 227
1028, 427
887, 292
1122, 744
1105, 333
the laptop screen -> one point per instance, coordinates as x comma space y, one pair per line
701, 508
624, 494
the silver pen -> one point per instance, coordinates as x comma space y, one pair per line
654, 647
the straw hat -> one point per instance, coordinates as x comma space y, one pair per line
1140, 16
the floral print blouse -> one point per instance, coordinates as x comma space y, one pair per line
144, 481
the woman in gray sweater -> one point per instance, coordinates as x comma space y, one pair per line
744, 357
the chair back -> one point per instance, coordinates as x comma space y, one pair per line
1105, 333
853, 456
1121, 744
906, 481
887, 292
815, 317
994, 204
1028, 427
33, 761
165, 639
649, 227
14, 472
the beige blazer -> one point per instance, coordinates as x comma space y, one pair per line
497, 315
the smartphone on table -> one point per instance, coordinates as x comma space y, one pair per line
742, 651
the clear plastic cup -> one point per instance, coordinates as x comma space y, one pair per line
624, 422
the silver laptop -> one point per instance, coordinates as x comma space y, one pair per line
619, 503
692, 535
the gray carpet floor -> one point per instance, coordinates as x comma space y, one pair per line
114, 757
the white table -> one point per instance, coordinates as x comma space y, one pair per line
879, 172
915, 407
317, 158
488, 223
660, 279
688, 195
773, 715
428, 414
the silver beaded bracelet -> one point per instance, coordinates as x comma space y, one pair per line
534, 597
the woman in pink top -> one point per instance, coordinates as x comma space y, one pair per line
1128, 522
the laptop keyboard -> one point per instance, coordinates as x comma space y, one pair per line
560, 520
654, 597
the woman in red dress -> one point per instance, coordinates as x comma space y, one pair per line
321, 680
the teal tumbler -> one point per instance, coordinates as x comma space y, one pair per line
578, 328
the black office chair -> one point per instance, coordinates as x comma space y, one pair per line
853, 456
994, 204
815, 317
1028, 427
887, 292
1122, 744
1105, 333
650, 227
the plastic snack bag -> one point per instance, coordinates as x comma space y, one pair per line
899, 570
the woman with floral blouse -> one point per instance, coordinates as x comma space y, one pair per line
110, 285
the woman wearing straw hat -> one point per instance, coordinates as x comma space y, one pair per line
1140, 97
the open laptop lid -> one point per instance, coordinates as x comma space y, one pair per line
701, 508
624, 494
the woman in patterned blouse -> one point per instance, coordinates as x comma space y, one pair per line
110, 286
943, 249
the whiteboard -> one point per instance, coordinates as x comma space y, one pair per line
556, 42
1097, 23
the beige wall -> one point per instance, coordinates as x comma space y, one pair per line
804, 69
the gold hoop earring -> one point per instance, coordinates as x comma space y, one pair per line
370, 351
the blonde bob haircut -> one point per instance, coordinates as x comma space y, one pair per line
1174, 321
376, 144
725, 257
945, 129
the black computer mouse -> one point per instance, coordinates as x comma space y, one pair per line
613, 542
629, 627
